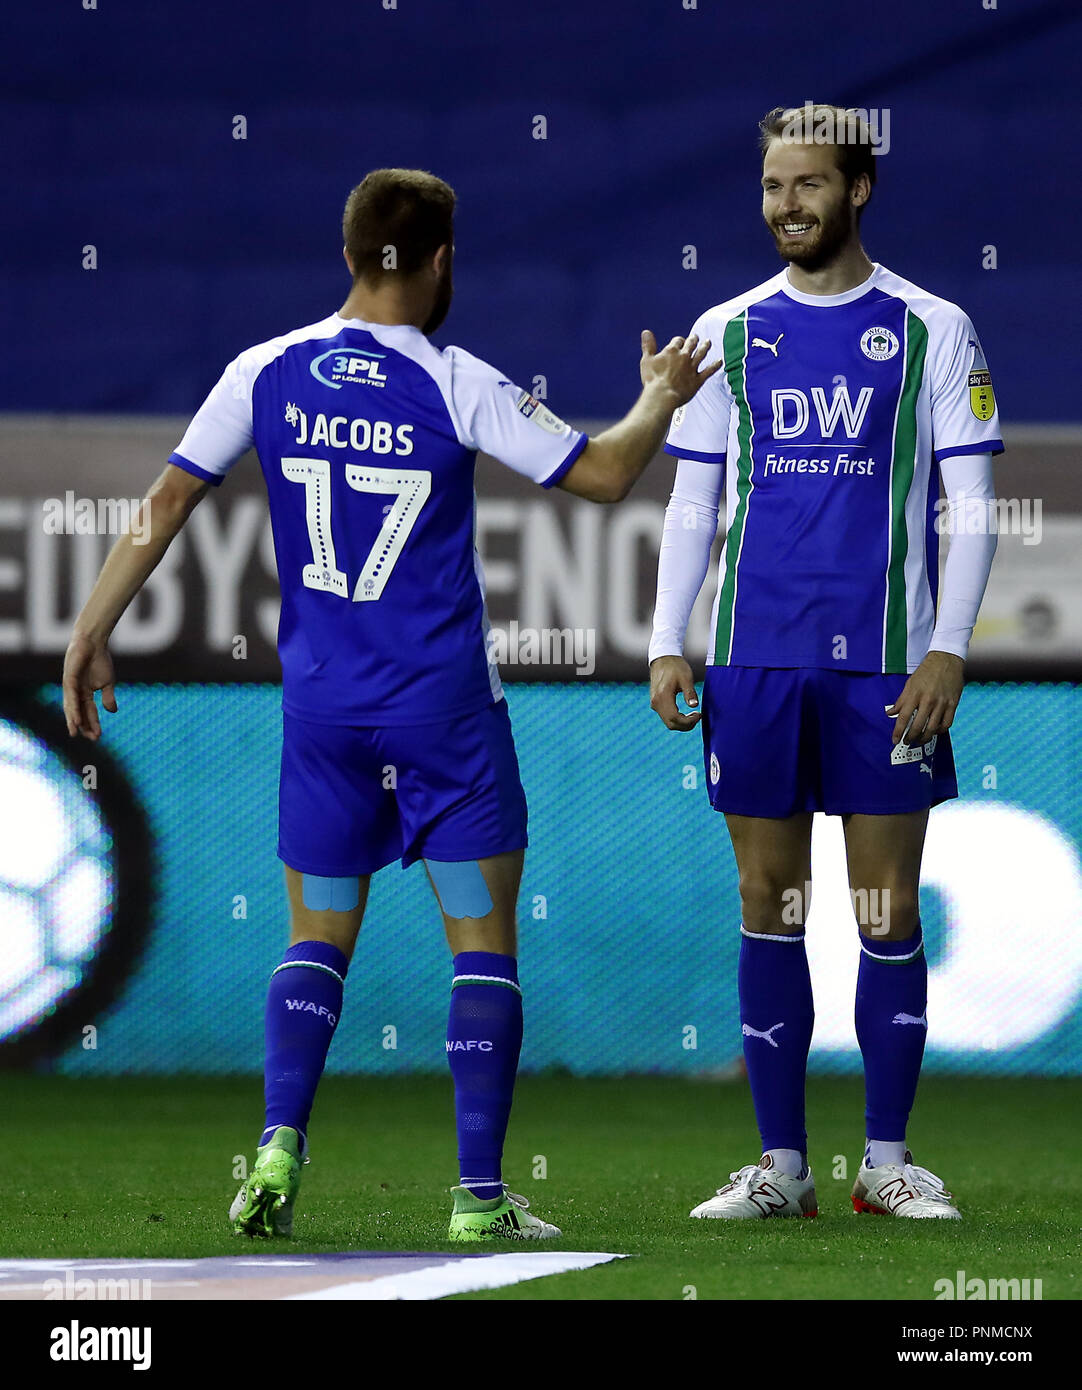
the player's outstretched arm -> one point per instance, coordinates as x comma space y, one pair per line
88, 665
609, 466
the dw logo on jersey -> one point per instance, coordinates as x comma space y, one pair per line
792, 408
879, 344
348, 364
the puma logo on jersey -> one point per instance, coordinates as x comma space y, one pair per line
909, 1018
925, 768
771, 347
750, 1032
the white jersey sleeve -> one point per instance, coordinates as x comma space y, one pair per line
972, 525
503, 420
221, 429
700, 429
691, 523
965, 418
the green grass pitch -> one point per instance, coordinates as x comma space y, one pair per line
144, 1167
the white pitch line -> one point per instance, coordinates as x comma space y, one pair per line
271, 1263
80, 1266
162, 1283
464, 1276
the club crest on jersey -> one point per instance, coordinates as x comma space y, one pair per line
348, 364
540, 414
879, 344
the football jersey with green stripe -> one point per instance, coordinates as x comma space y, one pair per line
829, 416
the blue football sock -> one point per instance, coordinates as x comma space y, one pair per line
484, 1035
304, 1003
891, 1008
776, 1016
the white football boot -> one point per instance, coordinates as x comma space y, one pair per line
759, 1190
902, 1189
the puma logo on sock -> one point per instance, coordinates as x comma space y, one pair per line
750, 1032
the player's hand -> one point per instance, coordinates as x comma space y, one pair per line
675, 368
87, 667
930, 697
671, 676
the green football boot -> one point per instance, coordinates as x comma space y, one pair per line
501, 1218
264, 1204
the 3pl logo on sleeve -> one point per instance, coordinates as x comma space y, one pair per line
348, 364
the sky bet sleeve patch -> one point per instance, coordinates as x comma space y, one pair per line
982, 399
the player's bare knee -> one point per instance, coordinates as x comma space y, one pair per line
342, 936
890, 913
770, 904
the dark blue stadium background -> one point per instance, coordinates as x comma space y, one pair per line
118, 133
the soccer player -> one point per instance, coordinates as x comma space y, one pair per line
847, 394
396, 737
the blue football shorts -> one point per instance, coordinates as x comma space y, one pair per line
777, 741
351, 800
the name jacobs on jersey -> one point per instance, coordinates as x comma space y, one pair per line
340, 432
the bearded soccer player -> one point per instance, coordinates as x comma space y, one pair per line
847, 394
396, 737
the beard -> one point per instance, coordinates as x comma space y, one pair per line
444, 294
815, 251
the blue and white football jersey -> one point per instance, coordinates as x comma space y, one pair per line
367, 436
828, 416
